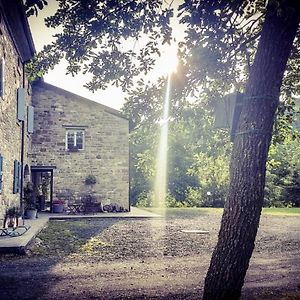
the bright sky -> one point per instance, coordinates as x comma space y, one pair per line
112, 96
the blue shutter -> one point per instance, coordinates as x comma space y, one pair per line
2, 77
16, 177
1, 172
30, 118
21, 104
19, 176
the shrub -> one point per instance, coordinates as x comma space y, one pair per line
90, 180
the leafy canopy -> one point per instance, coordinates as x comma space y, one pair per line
93, 34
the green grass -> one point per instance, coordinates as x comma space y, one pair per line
292, 211
186, 212
196, 211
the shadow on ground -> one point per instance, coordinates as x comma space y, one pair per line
29, 276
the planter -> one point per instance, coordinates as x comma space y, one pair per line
31, 214
11, 222
57, 208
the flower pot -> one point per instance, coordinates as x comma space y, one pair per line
57, 208
31, 214
12, 222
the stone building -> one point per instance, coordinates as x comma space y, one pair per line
75, 138
15, 109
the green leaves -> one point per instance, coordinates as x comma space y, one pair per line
33, 6
99, 37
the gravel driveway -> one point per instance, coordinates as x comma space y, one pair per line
147, 259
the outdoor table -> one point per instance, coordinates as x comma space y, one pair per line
75, 209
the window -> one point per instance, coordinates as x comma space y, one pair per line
74, 139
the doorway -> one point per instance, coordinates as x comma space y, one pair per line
42, 179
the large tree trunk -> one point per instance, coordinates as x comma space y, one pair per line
240, 220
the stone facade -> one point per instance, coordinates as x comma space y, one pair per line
105, 149
105, 152
16, 48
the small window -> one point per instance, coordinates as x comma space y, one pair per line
74, 139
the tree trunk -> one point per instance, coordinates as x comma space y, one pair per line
230, 260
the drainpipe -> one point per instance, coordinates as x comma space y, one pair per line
22, 152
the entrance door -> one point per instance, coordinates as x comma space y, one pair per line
42, 180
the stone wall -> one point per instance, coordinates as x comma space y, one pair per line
106, 149
10, 127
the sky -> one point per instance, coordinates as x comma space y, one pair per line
112, 96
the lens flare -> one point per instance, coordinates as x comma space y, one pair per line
160, 184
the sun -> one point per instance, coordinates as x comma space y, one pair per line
168, 61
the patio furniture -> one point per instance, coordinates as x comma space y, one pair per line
75, 208
91, 207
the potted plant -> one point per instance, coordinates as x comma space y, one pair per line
58, 206
29, 201
90, 180
12, 216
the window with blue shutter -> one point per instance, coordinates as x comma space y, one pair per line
21, 104
16, 177
2, 77
30, 118
1, 172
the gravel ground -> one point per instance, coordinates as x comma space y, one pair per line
147, 259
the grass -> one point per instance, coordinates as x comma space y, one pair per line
190, 212
63, 238
284, 211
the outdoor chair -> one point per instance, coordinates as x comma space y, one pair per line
90, 205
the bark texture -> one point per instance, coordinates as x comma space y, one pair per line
240, 220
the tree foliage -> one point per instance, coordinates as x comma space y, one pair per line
239, 44
92, 38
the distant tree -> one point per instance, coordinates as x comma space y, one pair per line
283, 174
229, 44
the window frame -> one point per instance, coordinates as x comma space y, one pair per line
75, 131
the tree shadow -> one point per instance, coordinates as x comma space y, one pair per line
29, 276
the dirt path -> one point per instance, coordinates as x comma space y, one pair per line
137, 259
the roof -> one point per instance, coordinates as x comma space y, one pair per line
41, 83
15, 18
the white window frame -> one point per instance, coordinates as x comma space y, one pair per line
75, 131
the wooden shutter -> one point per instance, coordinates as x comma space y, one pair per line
16, 177
2, 77
21, 104
30, 119
1, 172
19, 176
